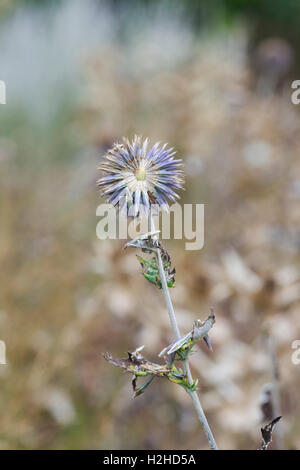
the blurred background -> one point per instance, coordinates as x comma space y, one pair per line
214, 80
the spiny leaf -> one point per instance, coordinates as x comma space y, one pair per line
183, 346
151, 271
138, 366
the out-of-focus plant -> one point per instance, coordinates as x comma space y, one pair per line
134, 179
266, 433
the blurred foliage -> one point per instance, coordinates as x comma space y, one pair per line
280, 13
77, 80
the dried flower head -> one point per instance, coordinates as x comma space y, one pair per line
133, 176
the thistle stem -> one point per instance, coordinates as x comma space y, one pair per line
194, 395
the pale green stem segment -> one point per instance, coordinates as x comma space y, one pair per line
194, 395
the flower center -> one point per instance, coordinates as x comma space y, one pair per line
140, 174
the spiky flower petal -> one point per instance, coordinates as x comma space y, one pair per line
133, 176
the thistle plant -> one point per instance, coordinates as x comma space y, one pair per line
135, 179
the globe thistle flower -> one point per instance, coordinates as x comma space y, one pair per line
133, 176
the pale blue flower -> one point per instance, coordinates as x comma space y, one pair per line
133, 176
